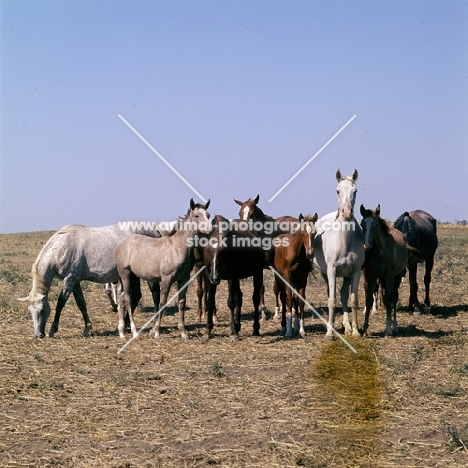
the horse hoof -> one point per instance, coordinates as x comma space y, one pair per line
328, 338
234, 337
205, 337
185, 337
417, 313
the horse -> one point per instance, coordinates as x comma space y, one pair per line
421, 232
233, 254
339, 252
293, 261
385, 263
267, 227
73, 254
165, 260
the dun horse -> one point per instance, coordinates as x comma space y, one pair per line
421, 232
339, 252
233, 254
293, 261
385, 263
165, 261
74, 253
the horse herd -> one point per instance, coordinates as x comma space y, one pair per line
221, 249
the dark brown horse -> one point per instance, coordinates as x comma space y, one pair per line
232, 254
421, 233
385, 263
293, 261
266, 227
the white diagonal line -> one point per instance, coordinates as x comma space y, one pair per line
161, 158
161, 309
312, 158
313, 309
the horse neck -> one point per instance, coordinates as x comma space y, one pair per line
42, 279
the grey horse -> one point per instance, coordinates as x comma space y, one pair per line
73, 254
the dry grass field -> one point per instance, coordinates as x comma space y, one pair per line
259, 402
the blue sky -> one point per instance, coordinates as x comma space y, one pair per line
237, 96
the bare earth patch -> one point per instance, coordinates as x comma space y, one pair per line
262, 401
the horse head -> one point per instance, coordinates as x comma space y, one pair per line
198, 217
39, 309
308, 230
346, 192
370, 224
249, 208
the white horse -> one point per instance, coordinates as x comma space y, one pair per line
339, 252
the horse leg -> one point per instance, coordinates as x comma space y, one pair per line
331, 285
165, 286
111, 291
369, 288
427, 280
354, 281
256, 299
396, 284
289, 300
281, 288
387, 294
181, 299
276, 290
124, 302
67, 287
235, 304
210, 291
201, 294
413, 300
344, 293
135, 296
262, 302
81, 303
299, 330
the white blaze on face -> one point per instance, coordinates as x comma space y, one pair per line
245, 214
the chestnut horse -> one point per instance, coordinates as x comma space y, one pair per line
385, 263
293, 261
421, 232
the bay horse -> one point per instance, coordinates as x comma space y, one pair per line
293, 261
421, 233
76, 253
386, 257
165, 260
269, 228
339, 252
233, 254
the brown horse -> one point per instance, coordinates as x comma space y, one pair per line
232, 254
421, 231
385, 263
266, 227
293, 261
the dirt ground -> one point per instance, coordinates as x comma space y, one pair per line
260, 402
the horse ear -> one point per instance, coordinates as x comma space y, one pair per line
355, 175
238, 202
377, 210
192, 204
338, 176
301, 216
363, 211
207, 204
257, 199
315, 218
